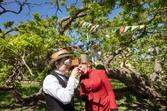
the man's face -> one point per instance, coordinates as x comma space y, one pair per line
83, 68
64, 65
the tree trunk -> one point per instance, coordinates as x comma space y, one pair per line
155, 75
17, 96
6, 88
35, 97
133, 81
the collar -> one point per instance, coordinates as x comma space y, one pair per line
61, 74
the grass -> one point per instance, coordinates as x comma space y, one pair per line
116, 84
128, 102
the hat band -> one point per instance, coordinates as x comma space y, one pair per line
62, 54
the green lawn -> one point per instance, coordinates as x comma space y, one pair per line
125, 103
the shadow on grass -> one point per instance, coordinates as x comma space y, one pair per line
126, 101
129, 101
143, 106
33, 106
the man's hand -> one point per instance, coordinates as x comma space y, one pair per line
75, 72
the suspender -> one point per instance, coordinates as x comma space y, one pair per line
61, 81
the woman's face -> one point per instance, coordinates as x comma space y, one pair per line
83, 68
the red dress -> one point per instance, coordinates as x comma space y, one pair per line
97, 86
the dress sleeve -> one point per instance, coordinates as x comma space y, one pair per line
81, 90
109, 89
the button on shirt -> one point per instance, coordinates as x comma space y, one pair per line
52, 87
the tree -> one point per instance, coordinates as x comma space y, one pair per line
146, 73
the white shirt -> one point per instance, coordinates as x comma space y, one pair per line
52, 87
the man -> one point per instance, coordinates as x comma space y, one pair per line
97, 60
95, 88
59, 91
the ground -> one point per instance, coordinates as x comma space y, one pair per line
40, 106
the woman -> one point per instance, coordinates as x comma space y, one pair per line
95, 88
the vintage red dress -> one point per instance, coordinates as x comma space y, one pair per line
97, 86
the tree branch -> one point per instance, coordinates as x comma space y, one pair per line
4, 10
69, 19
6, 88
27, 66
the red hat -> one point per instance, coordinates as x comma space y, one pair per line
94, 46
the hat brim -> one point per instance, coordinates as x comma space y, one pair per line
62, 56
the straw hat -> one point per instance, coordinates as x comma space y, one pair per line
58, 55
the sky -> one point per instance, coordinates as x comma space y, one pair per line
23, 16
